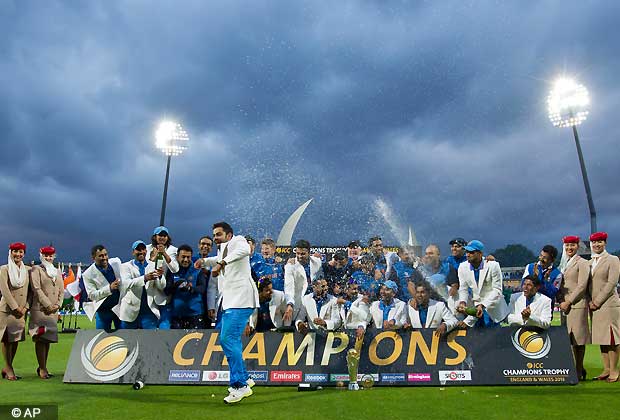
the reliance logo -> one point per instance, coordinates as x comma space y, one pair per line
286, 376
184, 376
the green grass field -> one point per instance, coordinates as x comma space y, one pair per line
76, 401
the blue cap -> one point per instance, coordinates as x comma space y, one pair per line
160, 229
474, 245
391, 285
136, 244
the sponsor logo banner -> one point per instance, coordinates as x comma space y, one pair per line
259, 375
419, 377
316, 377
503, 356
454, 375
184, 376
392, 377
215, 376
286, 376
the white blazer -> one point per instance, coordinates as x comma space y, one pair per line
357, 316
487, 292
213, 294
437, 313
132, 286
398, 313
98, 288
235, 285
330, 313
453, 303
277, 307
540, 307
295, 282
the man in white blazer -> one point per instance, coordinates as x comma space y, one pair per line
452, 302
424, 312
388, 313
529, 307
484, 278
299, 273
141, 291
319, 310
355, 309
275, 308
102, 281
238, 297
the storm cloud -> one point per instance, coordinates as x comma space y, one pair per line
436, 110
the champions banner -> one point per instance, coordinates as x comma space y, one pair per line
500, 356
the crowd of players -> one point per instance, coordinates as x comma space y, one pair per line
165, 287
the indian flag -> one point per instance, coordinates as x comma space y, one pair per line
74, 287
68, 279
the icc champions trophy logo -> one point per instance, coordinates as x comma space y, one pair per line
107, 359
531, 344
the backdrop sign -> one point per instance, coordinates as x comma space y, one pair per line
501, 356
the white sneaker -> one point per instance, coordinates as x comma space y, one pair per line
250, 383
237, 394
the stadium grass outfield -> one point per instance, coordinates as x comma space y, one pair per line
586, 400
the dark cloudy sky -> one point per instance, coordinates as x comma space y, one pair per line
432, 111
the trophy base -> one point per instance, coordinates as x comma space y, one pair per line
354, 386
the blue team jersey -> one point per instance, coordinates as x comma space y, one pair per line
274, 271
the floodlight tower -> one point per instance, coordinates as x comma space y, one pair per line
172, 140
567, 106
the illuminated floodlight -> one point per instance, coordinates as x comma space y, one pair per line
171, 138
568, 103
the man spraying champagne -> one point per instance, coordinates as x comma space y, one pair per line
238, 298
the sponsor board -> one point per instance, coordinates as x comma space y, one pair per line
392, 377
505, 356
259, 375
286, 375
184, 376
215, 376
454, 375
419, 377
316, 377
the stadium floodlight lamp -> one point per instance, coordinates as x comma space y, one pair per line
171, 138
568, 103
567, 106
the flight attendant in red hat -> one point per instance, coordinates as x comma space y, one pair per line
605, 305
14, 280
575, 301
47, 287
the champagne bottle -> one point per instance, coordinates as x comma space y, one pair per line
472, 310
159, 261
